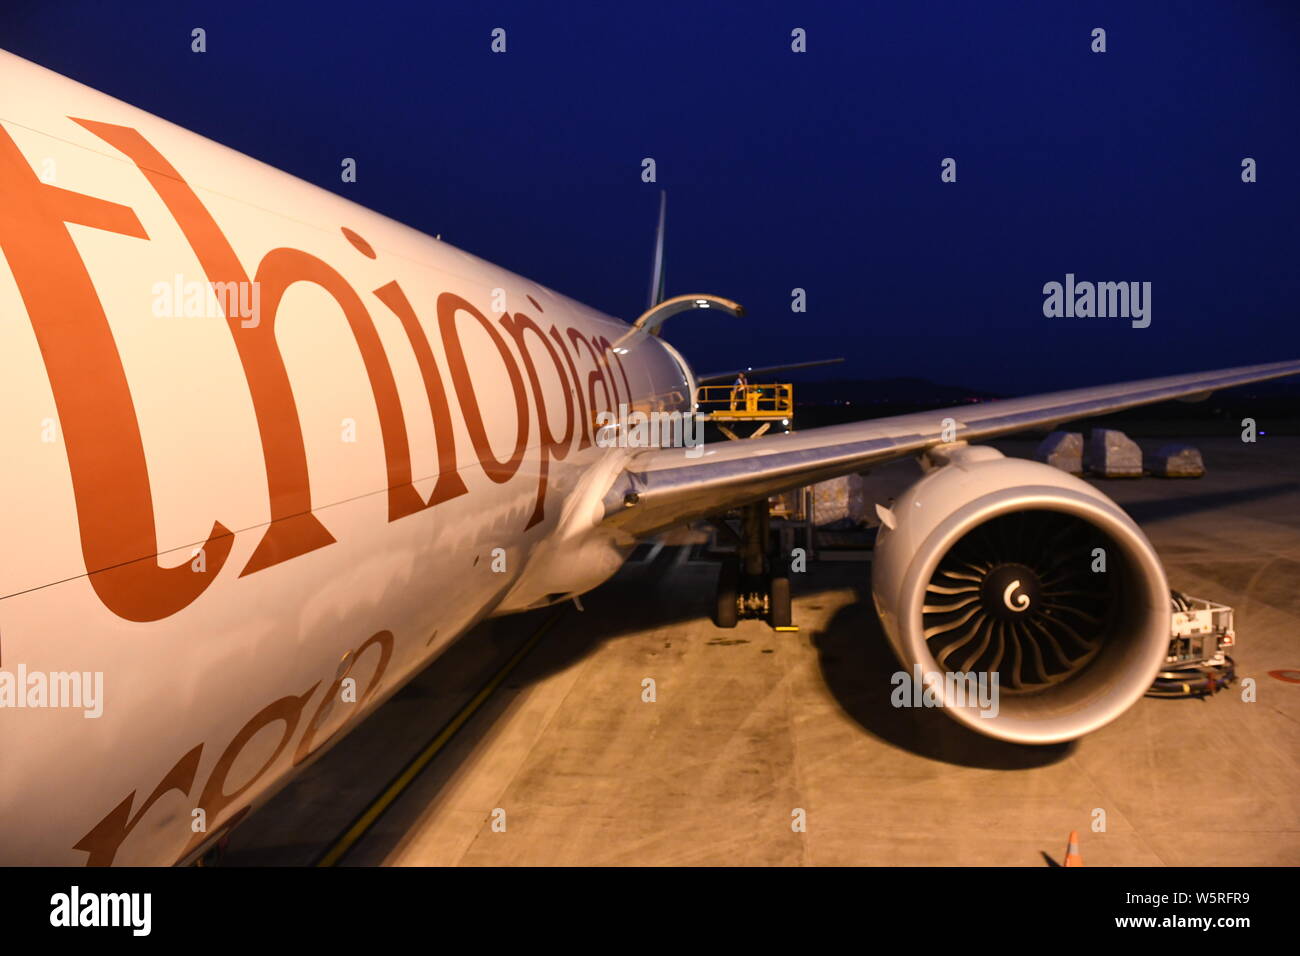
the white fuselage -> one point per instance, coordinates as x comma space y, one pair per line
235, 508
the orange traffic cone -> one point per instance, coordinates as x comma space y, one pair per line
1072, 857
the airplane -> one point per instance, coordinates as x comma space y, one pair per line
269, 453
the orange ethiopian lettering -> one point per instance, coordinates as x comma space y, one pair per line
449, 484
592, 378
110, 480
584, 440
363, 247
449, 306
517, 326
293, 530
214, 800
103, 842
282, 268
383, 641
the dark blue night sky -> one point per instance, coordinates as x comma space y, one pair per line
818, 170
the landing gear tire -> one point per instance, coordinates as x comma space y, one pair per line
726, 613
779, 602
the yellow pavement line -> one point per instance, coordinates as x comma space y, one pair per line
412, 770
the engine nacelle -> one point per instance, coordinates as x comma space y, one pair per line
989, 565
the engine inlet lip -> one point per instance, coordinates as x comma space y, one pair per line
1143, 660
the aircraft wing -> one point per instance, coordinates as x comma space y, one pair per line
662, 487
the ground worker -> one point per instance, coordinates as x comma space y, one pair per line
739, 391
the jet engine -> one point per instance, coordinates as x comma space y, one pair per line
1014, 571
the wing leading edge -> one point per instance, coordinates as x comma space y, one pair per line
662, 487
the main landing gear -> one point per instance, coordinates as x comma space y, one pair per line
755, 583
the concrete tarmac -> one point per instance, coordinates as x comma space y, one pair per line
749, 727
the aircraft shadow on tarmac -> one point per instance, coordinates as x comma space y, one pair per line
855, 658
858, 665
